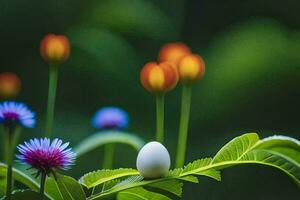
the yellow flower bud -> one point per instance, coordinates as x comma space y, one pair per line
159, 78
55, 48
191, 68
173, 52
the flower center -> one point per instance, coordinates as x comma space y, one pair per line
111, 125
11, 116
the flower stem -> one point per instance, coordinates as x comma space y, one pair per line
5, 143
53, 77
160, 112
15, 137
42, 186
9, 166
109, 150
11, 138
183, 126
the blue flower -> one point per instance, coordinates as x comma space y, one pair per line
46, 156
110, 118
12, 113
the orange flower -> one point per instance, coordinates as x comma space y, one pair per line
191, 68
158, 78
55, 48
173, 52
10, 85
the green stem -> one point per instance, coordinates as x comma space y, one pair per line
5, 144
53, 77
109, 150
15, 137
9, 165
11, 138
184, 124
42, 186
160, 112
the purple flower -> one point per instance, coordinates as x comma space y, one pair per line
110, 118
46, 156
12, 113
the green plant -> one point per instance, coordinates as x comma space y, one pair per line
280, 152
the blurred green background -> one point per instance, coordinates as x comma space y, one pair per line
252, 54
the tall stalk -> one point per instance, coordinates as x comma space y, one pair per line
53, 77
11, 136
183, 125
108, 159
160, 112
9, 165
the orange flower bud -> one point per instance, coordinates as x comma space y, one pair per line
158, 78
173, 52
55, 48
191, 68
10, 85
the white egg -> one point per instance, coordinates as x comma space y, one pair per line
153, 160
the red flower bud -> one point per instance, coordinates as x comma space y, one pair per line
173, 52
10, 85
159, 78
55, 48
191, 68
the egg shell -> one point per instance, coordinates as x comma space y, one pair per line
153, 160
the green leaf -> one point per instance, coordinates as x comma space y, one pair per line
282, 144
96, 178
276, 151
70, 188
197, 164
280, 152
52, 189
109, 184
130, 180
26, 194
140, 194
105, 137
192, 179
237, 148
176, 174
212, 173
169, 188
